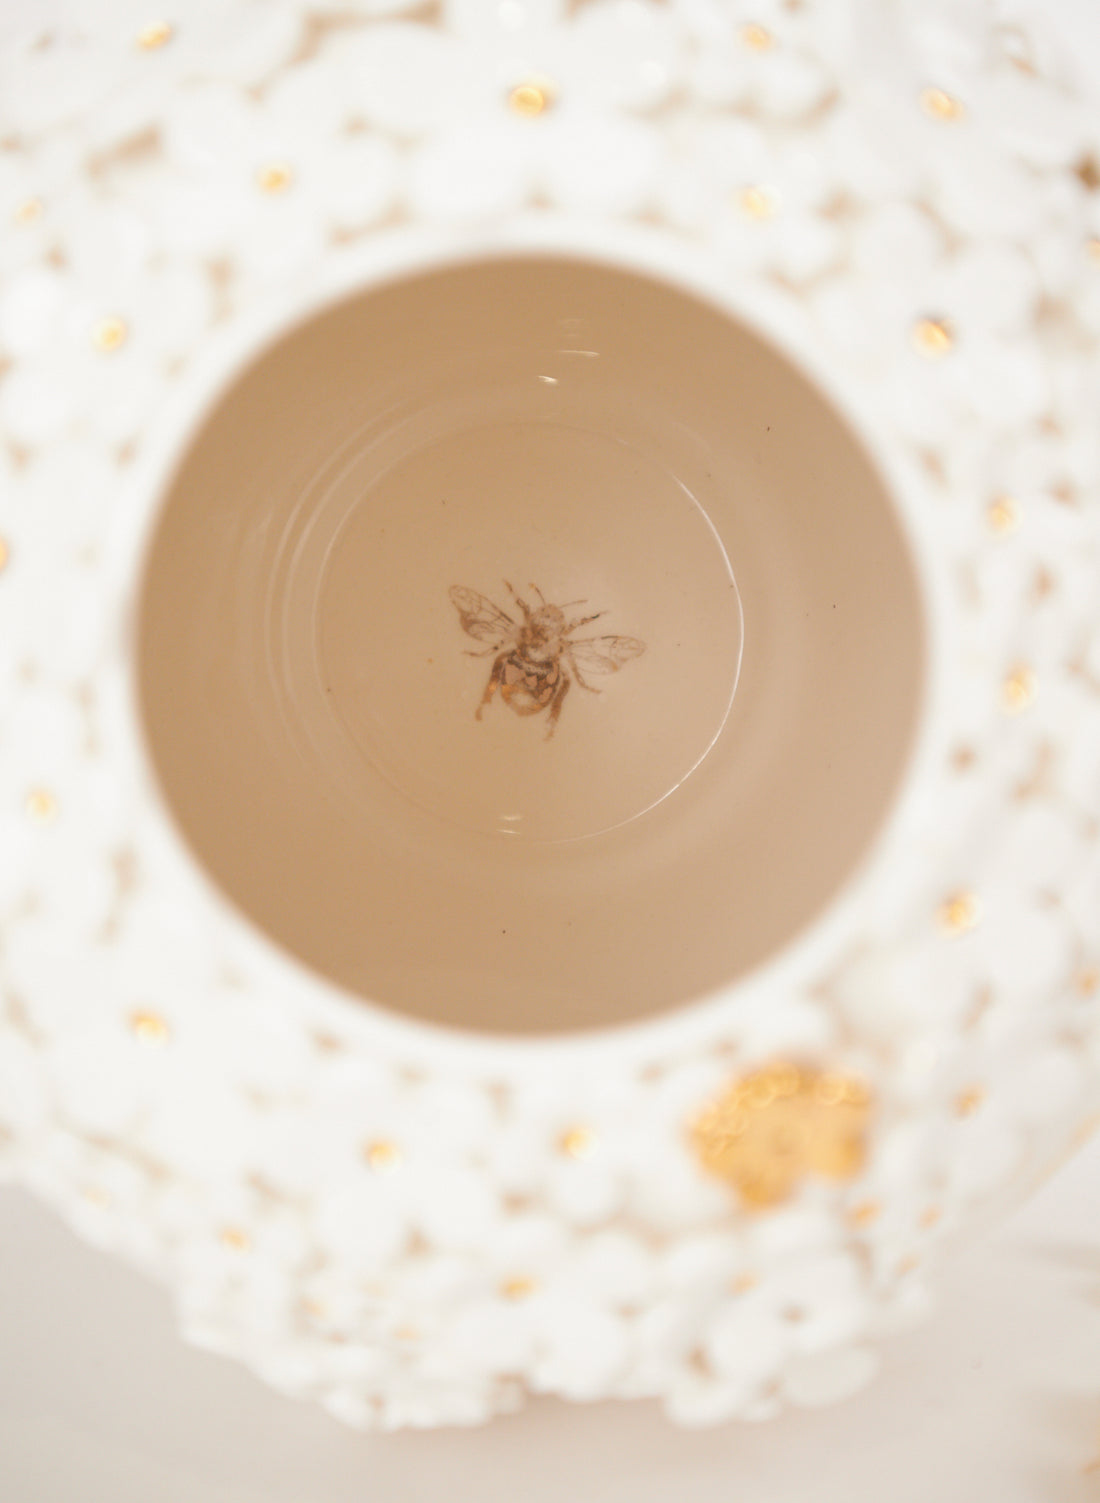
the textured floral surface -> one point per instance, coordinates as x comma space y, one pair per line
411, 1243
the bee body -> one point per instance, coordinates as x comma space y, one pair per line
528, 655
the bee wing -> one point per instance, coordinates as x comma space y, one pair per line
605, 654
480, 618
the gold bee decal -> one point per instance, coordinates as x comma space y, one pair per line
771, 1129
535, 660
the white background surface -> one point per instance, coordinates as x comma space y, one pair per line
995, 1400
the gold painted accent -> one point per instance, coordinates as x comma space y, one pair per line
41, 805
931, 1217
743, 1283
1087, 982
757, 202
149, 1027
234, 1239
1003, 514
276, 177
1019, 689
908, 1265
1087, 173
155, 35
1092, 246
382, 1156
315, 1309
865, 1214
774, 1127
933, 337
109, 334
967, 1102
531, 98
518, 1288
959, 912
756, 37
28, 211
839, 1090
407, 1333
940, 105
579, 1143
5, 555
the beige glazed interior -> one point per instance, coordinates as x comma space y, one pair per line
591, 820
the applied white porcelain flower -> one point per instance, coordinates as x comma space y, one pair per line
758, 199
60, 815
266, 187
763, 58
1005, 1098
555, 1305
92, 348
110, 68
520, 100
750, 1306
939, 329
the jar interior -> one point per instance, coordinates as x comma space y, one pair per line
527, 646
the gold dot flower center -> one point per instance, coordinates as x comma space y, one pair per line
518, 1288
276, 177
1003, 514
940, 105
1019, 688
531, 98
382, 1156
41, 805
579, 1143
154, 36
149, 1027
109, 334
781, 1124
756, 38
757, 202
959, 912
933, 337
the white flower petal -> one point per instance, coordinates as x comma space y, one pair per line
992, 284
457, 1207
1043, 125
472, 171
747, 1342
24, 1103
205, 125
500, 23
492, 1337
1025, 947
412, 79
607, 164
583, 1348
30, 309
791, 84
360, 1224
361, 180
623, 54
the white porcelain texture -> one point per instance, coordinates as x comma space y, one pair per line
193, 1101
